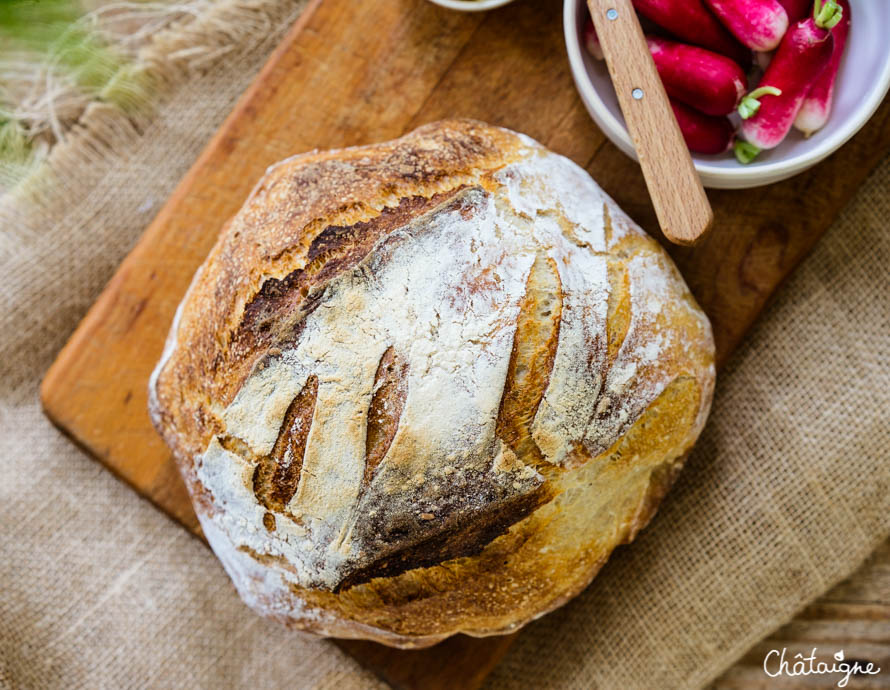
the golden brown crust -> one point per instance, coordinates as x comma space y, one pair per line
426, 386
531, 358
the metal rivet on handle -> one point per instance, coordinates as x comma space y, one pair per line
612, 14
637, 94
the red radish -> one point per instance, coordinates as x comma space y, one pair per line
817, 105
591, 41
709, 82
703, 133
802, 56
796, 9
758, 24
691, 21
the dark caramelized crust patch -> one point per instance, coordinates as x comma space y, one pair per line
273, 315
421, 540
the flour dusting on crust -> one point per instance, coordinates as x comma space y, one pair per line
437, 298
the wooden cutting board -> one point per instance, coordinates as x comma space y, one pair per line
359, 72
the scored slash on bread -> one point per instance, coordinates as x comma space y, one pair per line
426, 386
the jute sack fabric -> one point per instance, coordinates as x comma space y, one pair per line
786, 494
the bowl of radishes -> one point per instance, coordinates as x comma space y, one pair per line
761, 89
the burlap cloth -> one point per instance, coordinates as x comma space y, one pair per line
786, 493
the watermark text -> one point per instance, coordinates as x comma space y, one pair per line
778, 664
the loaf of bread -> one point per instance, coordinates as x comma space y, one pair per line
427, 386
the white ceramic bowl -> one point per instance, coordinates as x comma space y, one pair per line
471, 5
861, 86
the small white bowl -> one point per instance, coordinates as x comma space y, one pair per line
861, 85
471, 5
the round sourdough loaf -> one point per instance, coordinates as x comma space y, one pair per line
427, 386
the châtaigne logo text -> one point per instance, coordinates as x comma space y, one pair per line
779, 663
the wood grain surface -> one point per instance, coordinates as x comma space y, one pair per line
677, 195
353, 73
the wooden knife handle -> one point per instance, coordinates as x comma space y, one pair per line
677, 194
